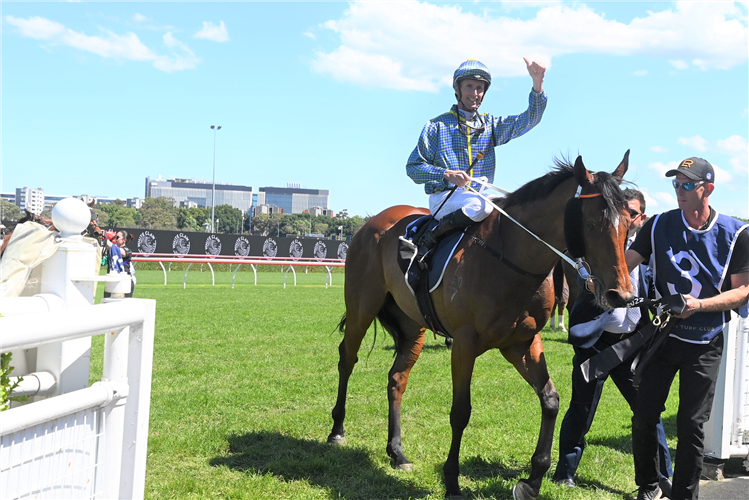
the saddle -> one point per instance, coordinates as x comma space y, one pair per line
422, 282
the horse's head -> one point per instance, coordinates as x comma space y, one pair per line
93, 230
596, 222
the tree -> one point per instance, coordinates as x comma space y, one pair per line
343, 214
117, 215
9, 211
229, 218
277, 220
261, 224
351, 225
192, 219
159, 213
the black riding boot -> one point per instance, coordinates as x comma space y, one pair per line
447, 224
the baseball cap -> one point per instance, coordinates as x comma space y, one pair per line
697, 169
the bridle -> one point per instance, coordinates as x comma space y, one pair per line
580, 265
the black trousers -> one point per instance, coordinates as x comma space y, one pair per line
585, 397
698, 366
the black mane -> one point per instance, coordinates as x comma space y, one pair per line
540, 188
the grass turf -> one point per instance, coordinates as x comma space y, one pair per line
244, 380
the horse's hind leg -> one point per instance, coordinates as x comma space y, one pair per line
529, 360
409, 345
354, 325
462, 364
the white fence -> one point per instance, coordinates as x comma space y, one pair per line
72, 440
90, 443
727, 431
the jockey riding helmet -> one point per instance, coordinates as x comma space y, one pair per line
473, 69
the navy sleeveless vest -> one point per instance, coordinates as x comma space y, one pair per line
693, 262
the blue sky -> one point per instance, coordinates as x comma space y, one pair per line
333, 95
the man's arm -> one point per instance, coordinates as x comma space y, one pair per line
633, 259
420, 166
737, 296
537, 71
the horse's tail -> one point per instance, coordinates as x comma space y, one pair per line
389, 322
342, 324
342, 328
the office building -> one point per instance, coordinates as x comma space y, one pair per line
200, 192
294, 200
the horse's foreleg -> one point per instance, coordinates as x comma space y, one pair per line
355, 329
408, 352
553, 321
531, 364
463, 360
561, 317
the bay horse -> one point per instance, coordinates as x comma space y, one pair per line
485, 302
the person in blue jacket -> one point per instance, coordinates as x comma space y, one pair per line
703, 255
459, 144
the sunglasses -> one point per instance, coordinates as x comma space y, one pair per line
634, 213
688, 186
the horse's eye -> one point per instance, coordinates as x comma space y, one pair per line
590, 226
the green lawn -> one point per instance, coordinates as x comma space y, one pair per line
244, 380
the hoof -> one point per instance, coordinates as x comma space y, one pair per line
522, 491
405, 467
455, 497
337, 440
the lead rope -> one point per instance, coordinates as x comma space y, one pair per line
580, 265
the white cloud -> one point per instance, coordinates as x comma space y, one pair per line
679, 64
139, 17
734, 144
722, 175
111, 45
736, 147
409, 39
658, 149
661, 168
212, 32
696, 142
640, 72
310, 35
663, 199
38, 28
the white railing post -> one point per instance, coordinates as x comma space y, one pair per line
115, 371
135, 437
69, 361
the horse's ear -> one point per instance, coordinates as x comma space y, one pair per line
582, 176
623, 166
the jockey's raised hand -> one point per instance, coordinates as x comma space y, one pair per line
537, 71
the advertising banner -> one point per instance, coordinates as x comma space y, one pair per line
148, 242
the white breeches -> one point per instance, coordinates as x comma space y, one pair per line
475, 207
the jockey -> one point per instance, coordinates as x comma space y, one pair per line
459, 144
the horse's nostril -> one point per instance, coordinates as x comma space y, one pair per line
615, 299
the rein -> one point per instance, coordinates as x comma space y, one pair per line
579, 264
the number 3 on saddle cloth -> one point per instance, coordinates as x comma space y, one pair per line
436, 262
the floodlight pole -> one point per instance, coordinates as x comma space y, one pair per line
213, 193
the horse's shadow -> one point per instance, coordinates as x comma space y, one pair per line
348, 473
499, 479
